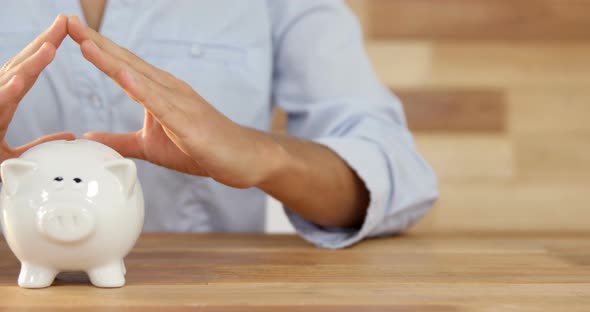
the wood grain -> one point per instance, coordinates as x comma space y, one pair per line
563, 111
414, 64
533, 174
479, 19
444, 110
454, 110
402, 64
467, 156
305, 308
554, 155
435, 271
519, 65
511, 205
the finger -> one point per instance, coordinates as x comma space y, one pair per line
13, 91
55, 35
109, 65
9, 98
36, 63
138, 87
148, 121
56, 136
31, 68
81, 33
127, 144
10, 91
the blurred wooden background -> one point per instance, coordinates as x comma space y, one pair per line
497, 93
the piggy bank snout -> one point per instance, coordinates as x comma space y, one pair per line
66, 222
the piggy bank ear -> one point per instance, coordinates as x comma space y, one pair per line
12, 170
126, 173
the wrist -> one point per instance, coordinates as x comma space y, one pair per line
279, 162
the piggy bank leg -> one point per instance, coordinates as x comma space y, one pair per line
35, 276
109, 275
123, 268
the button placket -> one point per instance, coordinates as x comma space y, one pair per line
96, 112
196, 50
96, 101
201, 217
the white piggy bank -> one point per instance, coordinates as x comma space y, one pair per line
71, 206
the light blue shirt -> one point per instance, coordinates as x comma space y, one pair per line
244, 57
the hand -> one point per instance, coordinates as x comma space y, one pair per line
181, 130
18, 75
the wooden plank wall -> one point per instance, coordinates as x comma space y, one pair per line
497, 93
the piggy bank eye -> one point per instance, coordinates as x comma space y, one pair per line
77, 180
58, 179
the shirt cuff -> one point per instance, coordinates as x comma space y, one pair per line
367, 160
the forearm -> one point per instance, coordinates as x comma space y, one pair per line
315, 182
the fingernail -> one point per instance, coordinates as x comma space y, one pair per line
59, 16
75, 18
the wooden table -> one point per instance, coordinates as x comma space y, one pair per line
415, 272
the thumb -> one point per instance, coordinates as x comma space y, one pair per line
127, 144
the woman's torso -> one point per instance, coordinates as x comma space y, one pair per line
222, 48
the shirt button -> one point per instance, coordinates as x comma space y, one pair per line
196, 50
95, 100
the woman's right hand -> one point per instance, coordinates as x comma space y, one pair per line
18, 75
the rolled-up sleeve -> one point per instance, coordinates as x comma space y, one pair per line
326, 85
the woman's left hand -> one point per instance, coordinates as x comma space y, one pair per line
181, 130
